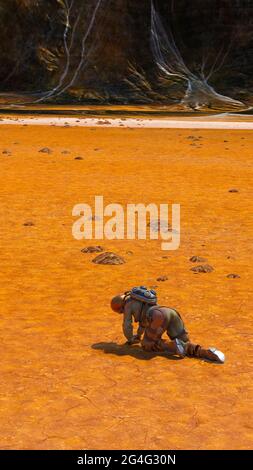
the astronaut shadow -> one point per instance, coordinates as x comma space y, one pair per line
133, 351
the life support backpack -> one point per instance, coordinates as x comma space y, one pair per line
143, 295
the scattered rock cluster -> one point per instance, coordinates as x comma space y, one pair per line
207, 268
7, 153
104, 258
110, 258
202, 268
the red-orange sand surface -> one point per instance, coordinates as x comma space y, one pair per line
67, 381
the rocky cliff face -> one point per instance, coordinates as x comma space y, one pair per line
101, 50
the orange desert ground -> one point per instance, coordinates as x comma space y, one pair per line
67, 379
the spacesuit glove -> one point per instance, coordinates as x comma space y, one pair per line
134, 340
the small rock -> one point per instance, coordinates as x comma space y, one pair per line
92, 249
108, 258
65, 152
78, 158
198, 259
28, 224
233, 191
45, 150
233, 276
162, 279
103, 123
194, 137
6, 152
206, 268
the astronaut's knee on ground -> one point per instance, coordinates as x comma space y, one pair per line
184, 337
178, 333
161, 345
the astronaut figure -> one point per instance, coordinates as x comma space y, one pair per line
140, 305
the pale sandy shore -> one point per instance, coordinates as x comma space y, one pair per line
215, 122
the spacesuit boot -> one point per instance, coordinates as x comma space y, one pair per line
194, 350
